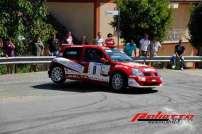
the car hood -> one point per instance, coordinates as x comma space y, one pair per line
142, 67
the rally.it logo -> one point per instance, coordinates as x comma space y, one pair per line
161, 117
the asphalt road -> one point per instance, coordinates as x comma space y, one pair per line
32, 104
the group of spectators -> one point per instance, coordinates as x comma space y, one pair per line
150, 47
146, 47
108, 42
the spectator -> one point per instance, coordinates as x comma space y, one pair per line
53, 45
99, 39
10, 48
154, 47
130, 47
10, 52
37, 50
110, 41
83, 40
39, 46
1, 47
179, 50
69, 38
144, 44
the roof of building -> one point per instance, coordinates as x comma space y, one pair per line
185, 0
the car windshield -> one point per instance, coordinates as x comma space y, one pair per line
116, 55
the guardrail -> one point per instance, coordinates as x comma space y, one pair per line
48, 59
26, 60
167, 59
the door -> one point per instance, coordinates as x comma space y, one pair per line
95, 69
73, 69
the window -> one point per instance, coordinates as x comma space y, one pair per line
72, 53
93, 55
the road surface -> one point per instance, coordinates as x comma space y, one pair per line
32, 104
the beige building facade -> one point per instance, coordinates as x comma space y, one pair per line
83, 17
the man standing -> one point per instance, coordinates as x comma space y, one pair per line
130, 47
99, 39
10, 52
144, 44
53, 45
154, 47
37, 48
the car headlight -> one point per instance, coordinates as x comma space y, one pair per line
137, 72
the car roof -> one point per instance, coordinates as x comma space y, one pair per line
87, 46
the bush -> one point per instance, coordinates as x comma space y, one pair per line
22, 20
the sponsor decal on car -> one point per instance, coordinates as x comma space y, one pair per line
98, 71
149, 70
70, 64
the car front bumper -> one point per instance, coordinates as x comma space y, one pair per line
144, 81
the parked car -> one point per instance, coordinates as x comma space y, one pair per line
102, 64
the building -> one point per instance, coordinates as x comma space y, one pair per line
87, 17
83, 17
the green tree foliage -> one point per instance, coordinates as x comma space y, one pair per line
195, 26
24, 19
143, 16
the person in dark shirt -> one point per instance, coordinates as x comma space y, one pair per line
179, 50
10, 52
10, 49
53, 45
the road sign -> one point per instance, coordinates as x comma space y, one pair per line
112, 13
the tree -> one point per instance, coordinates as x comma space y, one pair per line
195, 27
143, 16
22, 20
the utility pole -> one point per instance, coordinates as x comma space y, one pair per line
118, 27
116, 12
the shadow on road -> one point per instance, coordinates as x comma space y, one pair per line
77, 86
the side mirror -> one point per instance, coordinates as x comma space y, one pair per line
103, 60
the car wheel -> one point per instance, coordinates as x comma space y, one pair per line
118, 82
57, 74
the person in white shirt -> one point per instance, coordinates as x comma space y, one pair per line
144, 44
154, 47
99, 39
69, 39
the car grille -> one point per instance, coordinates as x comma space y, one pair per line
151, 84
150, 74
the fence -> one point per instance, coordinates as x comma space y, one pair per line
48, 59
26, 60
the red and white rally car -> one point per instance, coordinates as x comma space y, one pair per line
102, 64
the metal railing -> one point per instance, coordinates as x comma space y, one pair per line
48, 59
26, 60
167, 59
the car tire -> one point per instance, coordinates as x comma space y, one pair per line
118, 82
57, 74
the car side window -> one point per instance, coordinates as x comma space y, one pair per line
93, 55
72, 53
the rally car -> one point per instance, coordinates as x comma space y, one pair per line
102, 64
